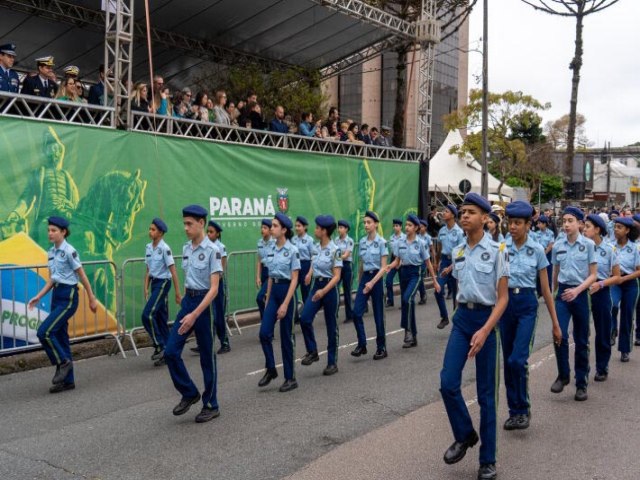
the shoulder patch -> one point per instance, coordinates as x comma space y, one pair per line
218, 255
74, 254
168, 252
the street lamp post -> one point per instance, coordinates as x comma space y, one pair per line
484, 185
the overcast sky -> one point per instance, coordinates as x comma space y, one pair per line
530, 51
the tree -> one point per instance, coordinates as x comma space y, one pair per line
558, 132
518, 149
578, 9
450, 13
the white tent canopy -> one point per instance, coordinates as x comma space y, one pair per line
447, 170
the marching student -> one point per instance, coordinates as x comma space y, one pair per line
493, 228
65, 270
283, 261
545, 237
425, 238
304, 243
214, 232
325, 271
345, 243
449, 236
262, 271
625, 294
575, 268
161, 270
527, 264
481, 268
391, 274
608, 275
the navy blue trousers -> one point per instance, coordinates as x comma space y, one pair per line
53, 333
305, 266
329, 303
465, 324
262, 293
219, 314
517, 332
155, 315
388, 283
578, 310
625, 295
204, 332
421, 288
409, 283
377, 300
346, 280
448, 280
601, 311
287, 336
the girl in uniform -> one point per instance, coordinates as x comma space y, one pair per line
262, 271
493, 228
345, 243
65, 270
304, 243
214, 232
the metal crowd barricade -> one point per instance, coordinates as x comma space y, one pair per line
19, 325
241, 284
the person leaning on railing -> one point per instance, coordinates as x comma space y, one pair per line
221, 115
68, 92
139, 98
306, 127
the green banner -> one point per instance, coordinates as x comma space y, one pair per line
111, 183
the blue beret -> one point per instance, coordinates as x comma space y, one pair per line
371, 215
8, 49
266, 222
413, 219
626, 221
397, 221
543, 219
302, 220
519, 209
160, 224
195, 211
598, 222
614, 212
473, 198
636, 217
453, 209
495, 218
325, 221
424, 222
215, 225
284, 220
344, 223
59, 222
575, 211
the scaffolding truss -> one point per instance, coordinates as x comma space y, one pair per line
118, 48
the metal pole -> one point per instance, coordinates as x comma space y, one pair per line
608, 157
484, 186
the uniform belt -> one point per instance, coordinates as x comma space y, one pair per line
372, 271
58, 284
156, 278
322, 279
280, 280
346, 261
521, 290
475, 306
196, 293
565, 285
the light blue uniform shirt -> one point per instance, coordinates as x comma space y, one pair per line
345, 245
544, 238
221, 247
411, 253
561, 236
426, 239
282, 261
478, 271
607, 257
574, 260
449, 239
326, 260
610, 227
63, 263
263, 249
200, 263
629, 257
304, 245
525, 263
159, 260
393, 241
371, 252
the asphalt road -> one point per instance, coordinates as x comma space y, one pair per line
117, 424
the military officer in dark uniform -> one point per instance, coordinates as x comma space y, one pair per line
9, 80
42, 83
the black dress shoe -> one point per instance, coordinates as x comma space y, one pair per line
407, 336
207, 414
161, 362
559, 384
581, 394
62, 387
601, 377
185, 404
268, 376
422, 301
289, 385
224, 349
487, 472
449, 296
458, 450
614, 335
443, 323
62, 371
330, 370
380, 354
196, 350
390, 304
624, 357
309, 358
410, 342
157, 353
347, 320
359, 351
517, 422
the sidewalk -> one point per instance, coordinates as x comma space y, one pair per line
595, 440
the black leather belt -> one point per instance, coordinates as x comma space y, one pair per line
196, 293
371, 271
519, 290
475, 306
58, 284
564, 285
280, 280
322, 279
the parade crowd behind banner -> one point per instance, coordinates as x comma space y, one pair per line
110, 184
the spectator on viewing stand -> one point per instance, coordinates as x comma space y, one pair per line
96, 92
221, 115
278, 124
9, 80
158, 84
233, 113
68, 91
161, 102
352, 133
199, 107
342, 134
210, 105
244, 108
71, 71
332, 122
306, 127
373, 133
384, 139
325, 131
139, 98
43, 82
363, 134
254, 120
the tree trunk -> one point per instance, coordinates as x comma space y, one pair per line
575, 65
401, 96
